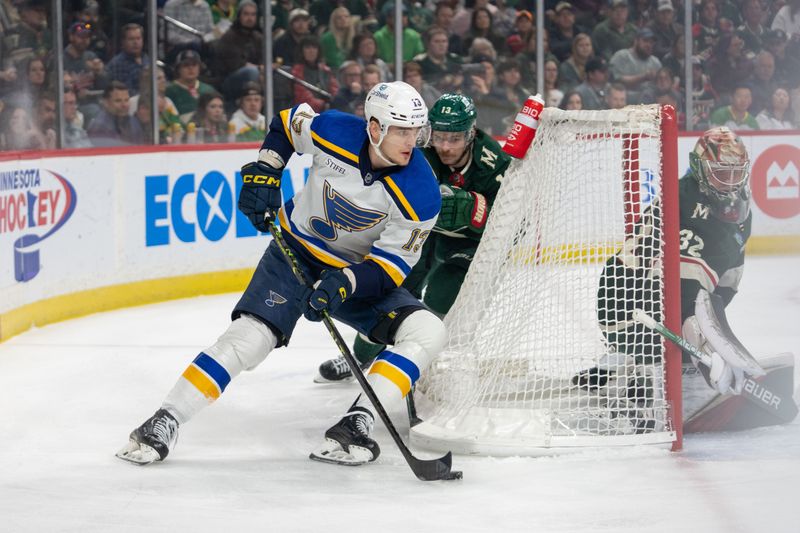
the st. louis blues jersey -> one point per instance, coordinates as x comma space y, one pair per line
373, 221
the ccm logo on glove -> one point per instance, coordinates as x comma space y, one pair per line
256, 179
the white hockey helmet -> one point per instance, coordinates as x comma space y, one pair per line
395, 104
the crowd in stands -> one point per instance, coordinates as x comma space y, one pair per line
599, 54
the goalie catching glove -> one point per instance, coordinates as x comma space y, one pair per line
329, 293
261, 193
462, 210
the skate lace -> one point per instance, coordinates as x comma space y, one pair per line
340, 366
163, 429
363, 424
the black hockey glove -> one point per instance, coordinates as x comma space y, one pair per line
261, 193
462, 210
330, 292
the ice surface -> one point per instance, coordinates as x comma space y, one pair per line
72, 392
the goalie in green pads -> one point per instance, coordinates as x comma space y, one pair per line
469, 166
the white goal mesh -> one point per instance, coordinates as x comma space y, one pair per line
526, 320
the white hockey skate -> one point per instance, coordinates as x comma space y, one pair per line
348, 442
152, 441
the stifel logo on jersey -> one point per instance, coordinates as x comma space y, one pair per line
776, 181
35, 203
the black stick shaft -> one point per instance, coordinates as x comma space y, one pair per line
426, 470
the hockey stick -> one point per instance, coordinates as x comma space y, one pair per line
424, 469
754, 392
413, 419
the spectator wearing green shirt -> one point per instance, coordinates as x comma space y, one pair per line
338, 40
187, 88
615, 32
384, 37
736, 116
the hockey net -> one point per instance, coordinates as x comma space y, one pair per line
525, 321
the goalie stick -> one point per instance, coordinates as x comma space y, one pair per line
424, 469
781, 407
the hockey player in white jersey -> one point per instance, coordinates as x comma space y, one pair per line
357, 227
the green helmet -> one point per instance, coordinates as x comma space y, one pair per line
453, 112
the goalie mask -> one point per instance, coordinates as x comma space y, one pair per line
452, 118
720, 164
396, 104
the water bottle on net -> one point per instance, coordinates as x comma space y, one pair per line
524, 128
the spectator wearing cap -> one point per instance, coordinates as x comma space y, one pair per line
186, 88
572, 71
126, 66
615, 32
524, 25
247, 122
239, 54
482, 26
412, 75
440, 68
594, 88
283, 51
665, 29
193, 13
636, 67
736, 116
752, 30
564, 31
384, 38
730, 64
309, 67
85, 66
113, 126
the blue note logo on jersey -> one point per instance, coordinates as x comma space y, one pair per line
341, 213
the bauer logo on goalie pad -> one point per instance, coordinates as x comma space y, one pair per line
274, 299
757, 391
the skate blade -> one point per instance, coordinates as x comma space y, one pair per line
319, 379
332, 452
138, 454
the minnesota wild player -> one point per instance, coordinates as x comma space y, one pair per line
715, 222
469, 166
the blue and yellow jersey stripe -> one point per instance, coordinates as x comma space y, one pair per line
339, 135
208, 376
393, 265
286, 120
315, 247
401, 371
399, 199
